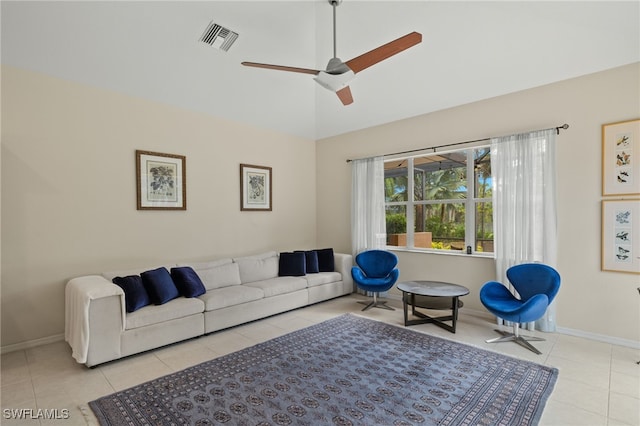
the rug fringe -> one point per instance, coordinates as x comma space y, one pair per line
88, 416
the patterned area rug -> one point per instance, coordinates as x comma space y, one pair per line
345, 371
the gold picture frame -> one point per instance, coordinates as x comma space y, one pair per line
621, 158
161, 181
620, 243
255, 188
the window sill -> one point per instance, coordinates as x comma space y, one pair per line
440, 252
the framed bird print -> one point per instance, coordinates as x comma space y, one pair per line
621, 158
621, 235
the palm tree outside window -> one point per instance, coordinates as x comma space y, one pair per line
431, 211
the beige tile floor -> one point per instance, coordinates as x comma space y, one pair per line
599, 383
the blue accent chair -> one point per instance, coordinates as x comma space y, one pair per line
375, 271
536, 284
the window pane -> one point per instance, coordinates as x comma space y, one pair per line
441, 176
484, 227
395, 181
396, 225
421, 237
445, 222
482, 171
443, 187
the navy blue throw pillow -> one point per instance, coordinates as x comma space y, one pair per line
135, 296
187, 281
159, 285
311, 258
325, 260
292, 264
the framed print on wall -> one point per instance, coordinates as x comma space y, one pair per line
255, 187
621, 158
161, 181
621, 235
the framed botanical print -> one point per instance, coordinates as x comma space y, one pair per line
621, 235
621, 158
255, 188
161, 181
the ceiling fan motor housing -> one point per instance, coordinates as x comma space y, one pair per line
334, 82
336, 66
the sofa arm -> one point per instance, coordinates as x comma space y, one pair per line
343, 263
94, 318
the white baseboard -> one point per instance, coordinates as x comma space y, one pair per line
600, 337
31, 343
480, 314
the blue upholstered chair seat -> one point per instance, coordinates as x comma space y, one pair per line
500, 302
374, 284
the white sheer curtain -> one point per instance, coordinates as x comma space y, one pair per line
367, 204
523, 168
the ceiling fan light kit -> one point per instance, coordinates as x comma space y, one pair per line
338, 74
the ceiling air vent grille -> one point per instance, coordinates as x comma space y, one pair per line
218, 37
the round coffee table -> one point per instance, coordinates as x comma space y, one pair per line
434, 289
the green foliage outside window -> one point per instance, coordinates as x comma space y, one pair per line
445, 192
396, 223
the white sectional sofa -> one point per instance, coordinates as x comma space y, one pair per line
101, 327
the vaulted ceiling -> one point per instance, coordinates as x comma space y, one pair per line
471, 50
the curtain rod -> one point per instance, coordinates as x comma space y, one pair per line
564, 127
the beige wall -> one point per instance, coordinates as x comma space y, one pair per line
69, 200
68, 192
591, 302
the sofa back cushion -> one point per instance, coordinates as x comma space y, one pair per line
259, 267
218, 275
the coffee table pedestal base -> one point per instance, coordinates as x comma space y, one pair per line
426, 319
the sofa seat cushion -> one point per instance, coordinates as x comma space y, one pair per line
154, 314
321, 278
230, 296
279, 285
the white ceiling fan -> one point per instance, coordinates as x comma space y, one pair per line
338, 74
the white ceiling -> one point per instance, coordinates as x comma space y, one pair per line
471, 50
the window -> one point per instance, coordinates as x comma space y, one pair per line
445, 206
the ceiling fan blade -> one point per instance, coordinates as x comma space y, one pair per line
383, 52
345, 95
281, 68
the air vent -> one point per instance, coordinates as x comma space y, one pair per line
218, 37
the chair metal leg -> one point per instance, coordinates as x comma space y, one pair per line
382, 304
517, 338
